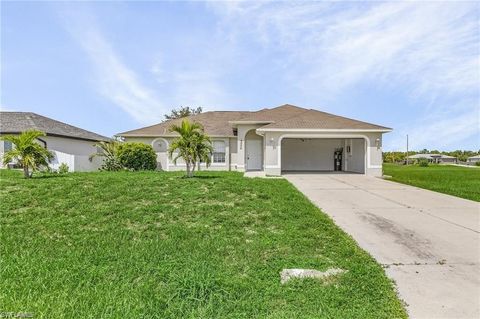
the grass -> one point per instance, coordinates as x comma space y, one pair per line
155, 245
454, 180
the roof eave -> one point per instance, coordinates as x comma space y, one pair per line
163, 135
250, 122
303, 130
104, 138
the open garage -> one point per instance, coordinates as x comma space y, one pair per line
323, 155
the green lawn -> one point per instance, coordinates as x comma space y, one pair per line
454, 180
154, 245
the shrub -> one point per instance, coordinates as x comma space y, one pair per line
137, 156
423, 162
477, 163
63, 168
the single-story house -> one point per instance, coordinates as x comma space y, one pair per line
434, 158
69, 144
281, 139
473, 159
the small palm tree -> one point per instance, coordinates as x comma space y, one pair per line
27, 152
193, 146
108, 150
203, 150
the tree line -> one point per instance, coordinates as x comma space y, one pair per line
396, 157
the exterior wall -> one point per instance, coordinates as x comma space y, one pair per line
73, 152
161, 144
233, 153
373, 165
355, 160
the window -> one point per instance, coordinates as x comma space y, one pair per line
7, 146
218, 155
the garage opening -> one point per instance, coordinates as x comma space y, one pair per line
323, 155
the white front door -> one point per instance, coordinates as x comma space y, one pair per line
254, 154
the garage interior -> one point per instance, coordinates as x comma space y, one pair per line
323, 155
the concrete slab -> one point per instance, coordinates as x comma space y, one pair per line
428, 242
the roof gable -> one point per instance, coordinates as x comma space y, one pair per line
318, 120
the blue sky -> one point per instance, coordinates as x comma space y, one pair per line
110, 67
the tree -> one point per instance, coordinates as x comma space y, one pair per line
193, 146
183, 111
203, 150
108, 150
27, 151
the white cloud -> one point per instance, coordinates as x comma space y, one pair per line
113, 78
429, 50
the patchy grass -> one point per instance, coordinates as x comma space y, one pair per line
155, 245
454, 180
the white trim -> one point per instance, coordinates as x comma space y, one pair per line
375, 166
303, 130
367, 144
250, 122
169, 136
212, 164
272, 166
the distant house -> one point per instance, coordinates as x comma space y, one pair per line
473, 159
69, 144
434, 158
282, 139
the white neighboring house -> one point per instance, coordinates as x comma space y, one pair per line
473, 159
286, 138
434, 158
69, 144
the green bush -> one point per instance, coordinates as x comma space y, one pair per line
137, 156
423, 162
477, 163
63, 168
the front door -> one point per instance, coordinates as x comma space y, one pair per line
254, 154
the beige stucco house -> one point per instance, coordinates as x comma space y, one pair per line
281, 139
69, 144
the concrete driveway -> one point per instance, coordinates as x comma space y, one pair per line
428, 242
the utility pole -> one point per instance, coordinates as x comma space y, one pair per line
407, 150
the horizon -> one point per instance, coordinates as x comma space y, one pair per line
111, 67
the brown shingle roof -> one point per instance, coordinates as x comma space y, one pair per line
17, 122
219, 123
313, 119
215, 123
278, 113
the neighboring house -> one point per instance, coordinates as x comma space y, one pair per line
69, 144
473, 159
434, 158
285, 138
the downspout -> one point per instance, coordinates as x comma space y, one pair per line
43, 141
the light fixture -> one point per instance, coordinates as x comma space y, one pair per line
377, 143
241, 142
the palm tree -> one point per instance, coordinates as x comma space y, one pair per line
109, 151
28, 153
203, 150
193, 146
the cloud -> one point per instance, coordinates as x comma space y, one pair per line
113, 78
428, 51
